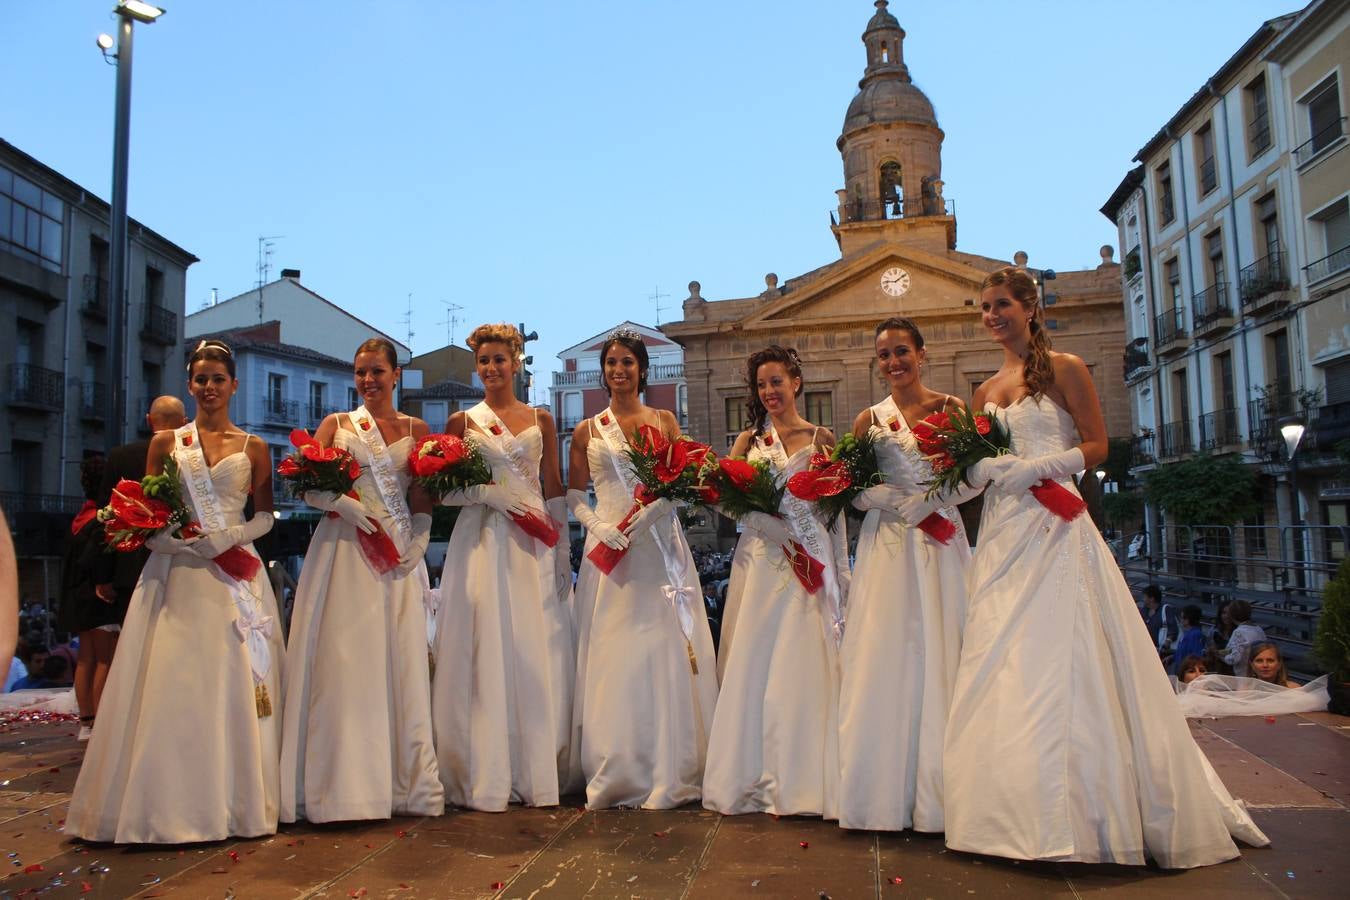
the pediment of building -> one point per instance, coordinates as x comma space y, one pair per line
852, 289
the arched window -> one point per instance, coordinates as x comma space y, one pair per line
892, 193
885, 53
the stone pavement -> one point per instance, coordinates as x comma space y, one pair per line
1294, 772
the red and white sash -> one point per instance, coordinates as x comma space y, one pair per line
383, 473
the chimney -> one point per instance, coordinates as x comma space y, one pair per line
292, 274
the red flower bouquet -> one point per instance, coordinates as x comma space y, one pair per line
680, 471
442, 463
138, 510
332, 470
831, 482
747, 487
955, 441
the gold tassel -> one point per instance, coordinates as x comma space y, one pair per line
431, 664
261, 700
693, 661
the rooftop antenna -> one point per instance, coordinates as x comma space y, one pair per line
451, 320
265, 244
655, 296
408, 320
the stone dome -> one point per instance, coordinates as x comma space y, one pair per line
888, 100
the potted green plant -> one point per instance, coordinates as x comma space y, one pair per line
1332, 643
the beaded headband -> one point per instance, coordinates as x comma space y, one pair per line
623, 334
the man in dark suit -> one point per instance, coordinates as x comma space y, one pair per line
117, 573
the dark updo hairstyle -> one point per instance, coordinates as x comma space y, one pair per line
379, 345
91, 475
1037, 372
215, 351
785, 356
900, 323
631, 341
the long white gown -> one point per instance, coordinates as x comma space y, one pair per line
641, 716
357, 741
906, 610
774, 742
502, 693
1065, 741
179, 753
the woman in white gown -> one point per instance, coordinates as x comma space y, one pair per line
1064, 741
646, 681
906, 610
502, 691
774, 741
186, 748
357, 741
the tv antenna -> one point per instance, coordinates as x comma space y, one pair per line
266, 242
451, 320
408, 320
655, 296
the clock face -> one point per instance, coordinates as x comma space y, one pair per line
895, 281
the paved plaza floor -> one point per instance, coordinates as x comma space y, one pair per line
1293, 771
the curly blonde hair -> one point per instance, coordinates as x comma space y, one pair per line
497, 333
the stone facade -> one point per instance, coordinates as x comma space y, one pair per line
897, 239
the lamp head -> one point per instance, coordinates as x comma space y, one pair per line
105, 42
1101, 475
138, 10
1292, 432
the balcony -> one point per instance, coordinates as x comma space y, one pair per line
1263, 414
93, 401
583, 378
1219, 429
34, 387
316, 413
280, 412
1262, 284
1141, 451
1131, 266
1332, 424
1169, 332
1324, 138
1136, 362
95, 303
15, 503
667, 372
1328, 266
1209, 179
1258, 135
159, 325
1175, 440
1211, 309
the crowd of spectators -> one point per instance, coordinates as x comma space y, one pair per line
1232, 645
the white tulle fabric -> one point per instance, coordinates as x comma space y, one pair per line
357, 742
907, 607
1230, 695
179, 754
641, 718
1065, 741
502, 694
774, 741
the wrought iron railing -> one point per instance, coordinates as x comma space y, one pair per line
159, 324
1131, 265
1323, 138
280, 412
31, 385
95, 296
1219, 429
1169, 326
16, 502
1136, 360
1211, 305
1208, 176
1175, 440
1258, 134
1327, 266
1141, 450
1263, 277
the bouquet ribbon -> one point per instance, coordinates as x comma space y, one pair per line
1058, 499
938, 527
810, 571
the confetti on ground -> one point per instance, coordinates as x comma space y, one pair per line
897, 880
498, 885
359, 892
804, 844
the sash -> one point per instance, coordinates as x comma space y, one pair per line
811, 533
676, 591
251, 626
382, 472
894, 427
518, 475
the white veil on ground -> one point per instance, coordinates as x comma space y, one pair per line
1229, 695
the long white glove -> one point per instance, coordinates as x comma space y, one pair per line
217, 542
771, 528
417, 545
349, 508
562, 551
882, 496
988, 469
604, 532
163, 542
1024, 473
498, 496
650, 514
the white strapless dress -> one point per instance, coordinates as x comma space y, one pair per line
1065, 741
179, 754
357, 742
502, 695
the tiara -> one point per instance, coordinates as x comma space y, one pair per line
219, 345
623, 334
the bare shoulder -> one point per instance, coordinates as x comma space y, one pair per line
741, 446
669, 424
1067, 365
956, 403
582, 433
824, 437
545, 420
161, 443
418, 427
862, 421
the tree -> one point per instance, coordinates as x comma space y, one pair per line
1204, 490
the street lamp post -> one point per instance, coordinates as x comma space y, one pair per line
1292, 432
128, 13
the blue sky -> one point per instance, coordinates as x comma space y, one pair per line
557, 163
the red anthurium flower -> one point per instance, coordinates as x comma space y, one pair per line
651, 440
740, 472
709, 492
696, 452
833, 479
288, 467
643, 495
353, 468
982, 424
671, 462
818, 461
137, 510
301, 438
316, 453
